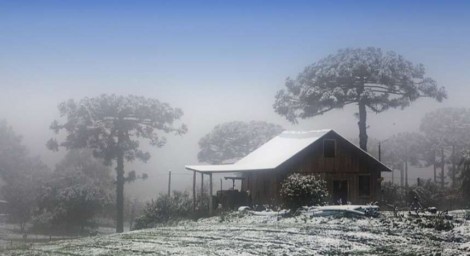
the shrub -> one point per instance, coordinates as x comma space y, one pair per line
393, 195
166, 208
303, 190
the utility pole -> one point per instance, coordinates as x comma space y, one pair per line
169, 183
380, 151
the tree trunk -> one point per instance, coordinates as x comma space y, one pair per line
120, 193
362, 126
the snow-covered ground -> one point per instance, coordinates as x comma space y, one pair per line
236, 234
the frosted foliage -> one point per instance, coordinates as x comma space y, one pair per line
404, 147
380, 79
21, 176
465, 176
98, 122
77, 190
228, 142
112, 127
447, 126
303, 190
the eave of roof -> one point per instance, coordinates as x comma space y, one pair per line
386, 168
224, 168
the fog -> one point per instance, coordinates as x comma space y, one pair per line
218, 62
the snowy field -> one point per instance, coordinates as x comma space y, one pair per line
234, 234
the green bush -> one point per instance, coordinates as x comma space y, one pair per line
393, 195
166, 208
299, 190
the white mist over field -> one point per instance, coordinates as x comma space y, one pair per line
216, 62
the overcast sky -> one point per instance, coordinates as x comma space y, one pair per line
217, 60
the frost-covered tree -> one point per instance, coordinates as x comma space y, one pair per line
401, 150
465, 176
113, 127
447, 126
78, 189
21, 176
368, 77
231, 141
299, 190
12, 152
448, 131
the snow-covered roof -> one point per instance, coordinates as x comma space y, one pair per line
270, 155
275, 152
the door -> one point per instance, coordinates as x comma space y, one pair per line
340, 191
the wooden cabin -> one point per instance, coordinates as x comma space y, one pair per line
352, 175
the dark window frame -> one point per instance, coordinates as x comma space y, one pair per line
331, 151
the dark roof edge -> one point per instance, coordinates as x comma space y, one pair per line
364, 152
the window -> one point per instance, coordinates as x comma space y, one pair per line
364, 185
329, 148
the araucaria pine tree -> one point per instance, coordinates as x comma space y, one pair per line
368, 77
113, 127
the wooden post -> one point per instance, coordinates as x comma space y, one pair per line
406, 174
442, 167
453, 166
211, 207
402, 180
393, 176
194, 190
202, 184
169, 183
434, 166
221, 184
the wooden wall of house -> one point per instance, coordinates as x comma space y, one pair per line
348, 164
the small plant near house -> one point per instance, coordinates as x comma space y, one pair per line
165, 209
299, 190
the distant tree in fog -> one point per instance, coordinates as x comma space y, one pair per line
448, 130
78, 189
367, 77
465, 176
403, 149
113, 127
21, 174
228, 142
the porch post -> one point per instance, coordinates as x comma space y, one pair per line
202, 184
194, 191
211, 207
